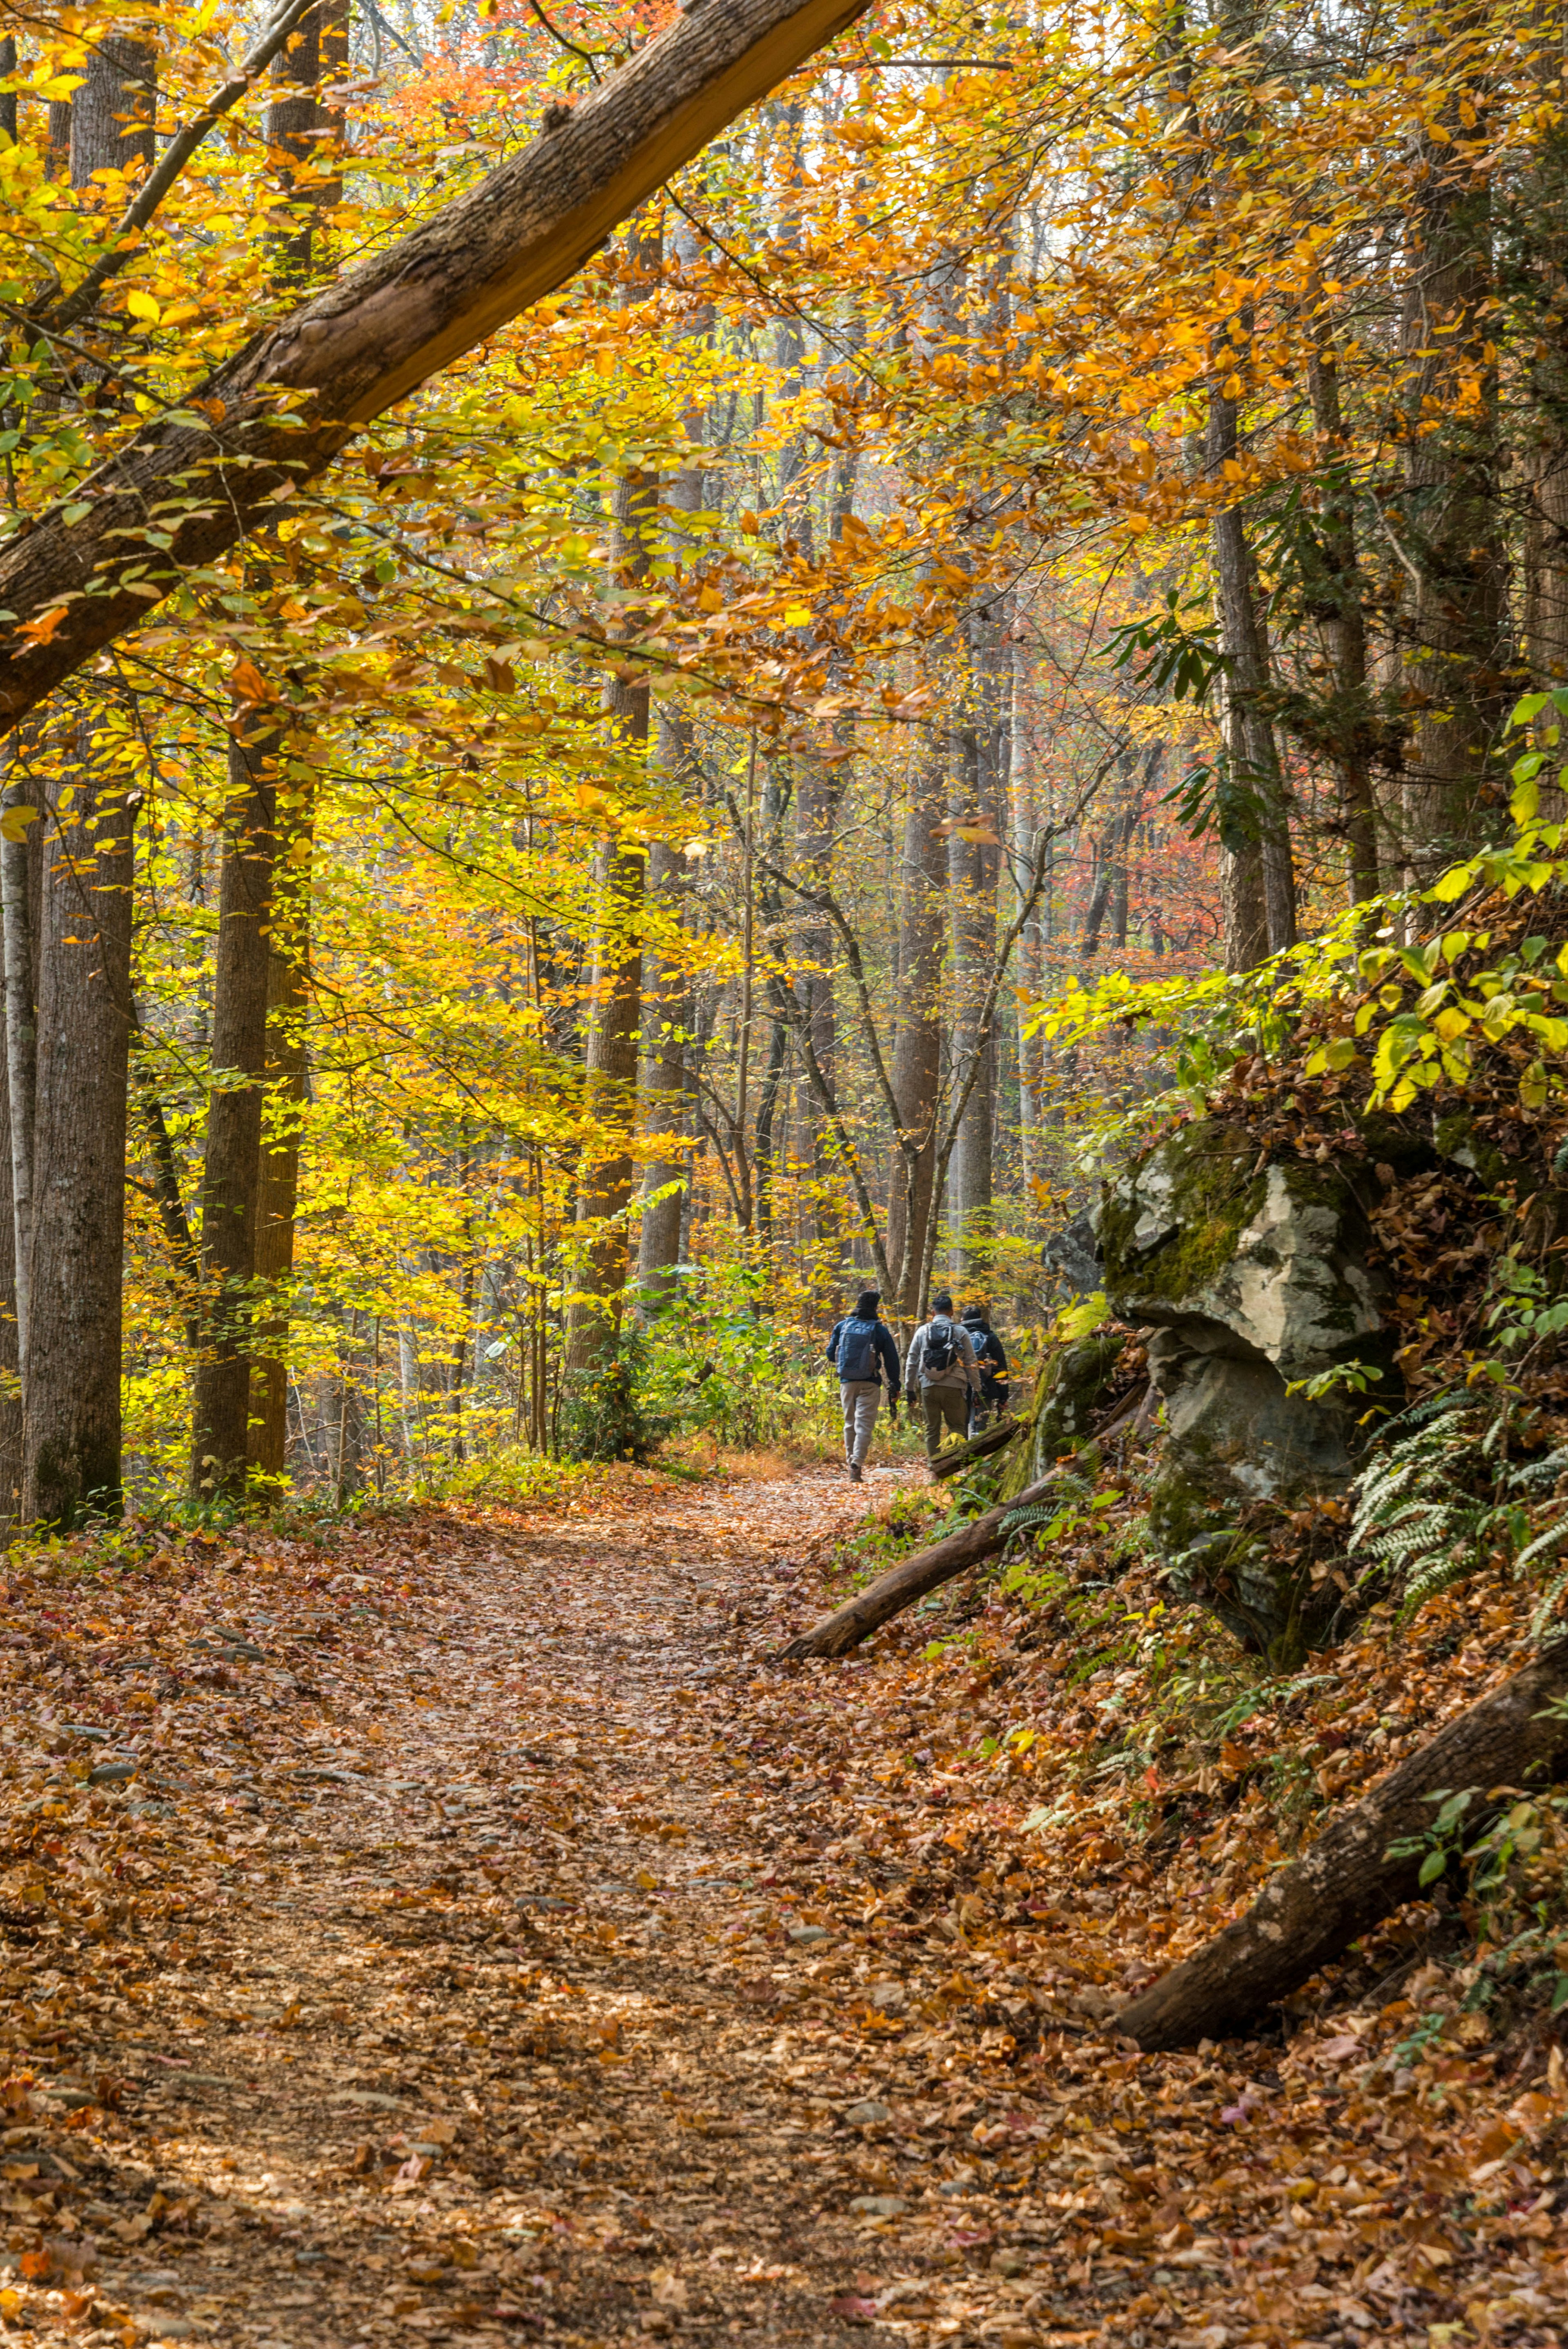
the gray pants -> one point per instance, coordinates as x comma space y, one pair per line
861, 1399
944, 1408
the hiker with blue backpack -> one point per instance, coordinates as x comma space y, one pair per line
862, 1350
941, 1370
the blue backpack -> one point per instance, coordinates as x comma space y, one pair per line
856, 1354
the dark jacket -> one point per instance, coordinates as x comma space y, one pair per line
884, 1349
992, 1356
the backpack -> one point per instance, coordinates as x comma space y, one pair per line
857, 1356
940, 1351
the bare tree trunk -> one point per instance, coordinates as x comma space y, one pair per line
18, 862
69, 1266
1342, 625
231, 1183
277, 1174
112, 112
1254, 820
610, 1092
1459, 651
666, 1082
974, 866
1310, 1912
72, 1410
917, 1053
309, 136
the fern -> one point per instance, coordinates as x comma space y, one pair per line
1440, 1494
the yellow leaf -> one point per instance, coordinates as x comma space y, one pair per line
15, 821
796, 615
646, 1882
10, 2302
142, 305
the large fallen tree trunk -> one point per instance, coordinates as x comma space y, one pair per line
990, 1439
179, 495
891, 1592
1311, 1911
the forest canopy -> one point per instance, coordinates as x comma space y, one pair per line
555, 852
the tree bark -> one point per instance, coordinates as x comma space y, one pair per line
610, 1092
69, 1225
283, 1103
1459, 656
231, 1181
1342, 625
974, 866
917, 1051
17, 858
1311, 1911
279, 412
1254, 820
891, 1592
112, 112
72, 1407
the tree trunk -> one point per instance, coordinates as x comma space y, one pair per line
18, 859
230, 1182
72, 1408
973, 864
1346, 1882
891, 1592
1458, 653
283, 1104
112, 112
364, 343
664, 1081
1342, 625
308, 135
1254, 821
610, 1091
69, 1226
917, 1052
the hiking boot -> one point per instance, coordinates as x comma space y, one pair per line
857, 1475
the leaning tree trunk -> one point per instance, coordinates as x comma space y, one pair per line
284, 407
1311, 1911
891, 1592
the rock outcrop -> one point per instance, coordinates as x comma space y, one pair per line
1252, 1278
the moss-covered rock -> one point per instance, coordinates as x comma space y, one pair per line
1253, 1279
1071, 1394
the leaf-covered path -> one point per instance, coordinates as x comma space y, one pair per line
443, 2032
460, 1930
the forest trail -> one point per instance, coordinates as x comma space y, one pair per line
444, 2047
454, 1928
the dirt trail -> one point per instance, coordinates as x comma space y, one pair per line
448, 2053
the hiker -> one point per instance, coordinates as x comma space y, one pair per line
940, 1367
991, 1356
862, 1350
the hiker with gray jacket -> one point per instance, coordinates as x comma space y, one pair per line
940, 1369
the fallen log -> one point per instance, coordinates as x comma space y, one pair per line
900, 1586
177, 494
990, 1439
1310, 1912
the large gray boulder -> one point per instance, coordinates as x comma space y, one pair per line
1251, 1278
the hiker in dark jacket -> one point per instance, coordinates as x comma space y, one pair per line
940, 1371
863, 1351
991, 1356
